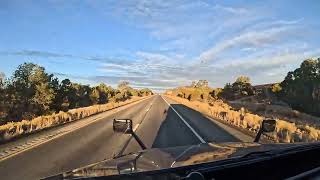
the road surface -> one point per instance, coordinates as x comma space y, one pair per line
158, 121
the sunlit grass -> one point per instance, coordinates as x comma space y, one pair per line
285, 131
14, 129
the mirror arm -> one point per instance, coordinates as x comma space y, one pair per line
258, 136
267, 125
138, 140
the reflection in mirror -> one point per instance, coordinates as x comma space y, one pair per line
122, 126
125, 126
268, 125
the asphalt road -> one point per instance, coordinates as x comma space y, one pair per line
158, 121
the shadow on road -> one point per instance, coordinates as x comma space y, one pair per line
173, 132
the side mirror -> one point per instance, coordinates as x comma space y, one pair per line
268, 125
122, 126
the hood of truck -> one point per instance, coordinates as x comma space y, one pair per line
156, 159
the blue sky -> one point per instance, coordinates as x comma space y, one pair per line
159, 44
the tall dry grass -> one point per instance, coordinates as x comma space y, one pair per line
14, 129
280, 112
285, 131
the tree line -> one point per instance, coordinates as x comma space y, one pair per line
301, 87
31, 92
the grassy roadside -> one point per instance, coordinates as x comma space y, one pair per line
285, 131
13, 130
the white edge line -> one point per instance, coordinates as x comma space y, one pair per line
180, 155
185, 122
136, 127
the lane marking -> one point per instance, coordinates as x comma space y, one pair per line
136, 127
180, 155
28, 145
149, 108
121, 151
185, 122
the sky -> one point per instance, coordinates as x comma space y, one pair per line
159, 44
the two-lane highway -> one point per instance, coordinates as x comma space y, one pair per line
158, 121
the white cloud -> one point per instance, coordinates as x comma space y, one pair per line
153, 57
251, 38
233, 10
270, 67
245, 40
248, 49
179, 25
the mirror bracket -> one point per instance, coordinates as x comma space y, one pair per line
267, 125
125, 126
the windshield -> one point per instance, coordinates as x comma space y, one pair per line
176, 73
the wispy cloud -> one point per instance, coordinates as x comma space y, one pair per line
233, 10
153, 57
33, 53
181, 25
57, 55
265, 67
251, 39
189, 40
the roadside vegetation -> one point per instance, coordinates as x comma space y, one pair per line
244, 105
301, 87
15, 129
32, 99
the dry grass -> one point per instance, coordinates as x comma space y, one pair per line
285, 131
14, 129
279, 112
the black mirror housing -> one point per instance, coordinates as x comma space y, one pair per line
268, 125
122, 126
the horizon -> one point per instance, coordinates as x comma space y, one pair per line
159, 45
